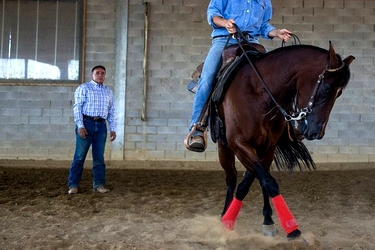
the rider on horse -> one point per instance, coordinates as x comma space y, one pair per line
252, 17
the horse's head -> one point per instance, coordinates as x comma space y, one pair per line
328, 88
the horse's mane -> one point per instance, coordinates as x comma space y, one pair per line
291, 48
298, 47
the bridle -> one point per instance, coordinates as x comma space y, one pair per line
302, 113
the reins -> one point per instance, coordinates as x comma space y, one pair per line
296, 116
285, 114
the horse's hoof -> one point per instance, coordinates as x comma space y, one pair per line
228, 224
294, 235
269, 230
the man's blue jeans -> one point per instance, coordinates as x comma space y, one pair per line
211, 66
96, 138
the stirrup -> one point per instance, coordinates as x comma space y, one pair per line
189, 137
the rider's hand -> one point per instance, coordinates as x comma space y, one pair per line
229, 26
283, 34
226, 23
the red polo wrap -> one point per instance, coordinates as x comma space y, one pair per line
230, 216
287, 220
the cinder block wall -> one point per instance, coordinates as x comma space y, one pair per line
179, 41
36, 121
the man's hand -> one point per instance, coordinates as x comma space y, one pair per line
113, 135
282, 34
82, 132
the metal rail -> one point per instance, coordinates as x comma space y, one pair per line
144, 98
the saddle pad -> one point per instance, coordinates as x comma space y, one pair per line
227, 73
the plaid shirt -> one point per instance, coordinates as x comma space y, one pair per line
94, 99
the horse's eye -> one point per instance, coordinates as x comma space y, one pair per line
327, 88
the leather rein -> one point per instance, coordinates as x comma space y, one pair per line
298, 115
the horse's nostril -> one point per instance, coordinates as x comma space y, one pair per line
310, 136
314, 136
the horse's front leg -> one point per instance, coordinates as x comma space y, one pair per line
269, 228
231, 212
243, 189
271, 187
227, 162
244, 186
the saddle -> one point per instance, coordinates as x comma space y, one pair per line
229, 55
232, 56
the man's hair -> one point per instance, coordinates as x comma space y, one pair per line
98, 67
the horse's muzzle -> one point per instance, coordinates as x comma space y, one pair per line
311, 131
314, 136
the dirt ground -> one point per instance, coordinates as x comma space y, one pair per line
178, 209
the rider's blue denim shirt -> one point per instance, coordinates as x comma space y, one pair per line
252, 16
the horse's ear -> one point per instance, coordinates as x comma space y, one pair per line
333, 60
349, 60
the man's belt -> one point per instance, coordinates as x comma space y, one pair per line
94, 118
245, 33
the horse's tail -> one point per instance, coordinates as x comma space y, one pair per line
291, 152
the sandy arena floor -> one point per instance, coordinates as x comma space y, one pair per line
178, 209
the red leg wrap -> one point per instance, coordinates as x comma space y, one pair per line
287, 220
230, 216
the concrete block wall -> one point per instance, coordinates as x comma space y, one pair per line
179, 41
175, 47
36, 121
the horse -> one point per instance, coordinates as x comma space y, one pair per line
269, 105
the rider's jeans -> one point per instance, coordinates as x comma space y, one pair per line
211, 66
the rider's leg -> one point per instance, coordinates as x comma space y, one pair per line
210, 68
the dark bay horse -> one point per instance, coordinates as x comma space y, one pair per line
300, 83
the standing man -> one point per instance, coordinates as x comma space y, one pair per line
252, 17
94, 105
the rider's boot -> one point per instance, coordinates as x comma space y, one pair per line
197, 142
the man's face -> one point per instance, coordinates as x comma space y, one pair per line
98, 75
